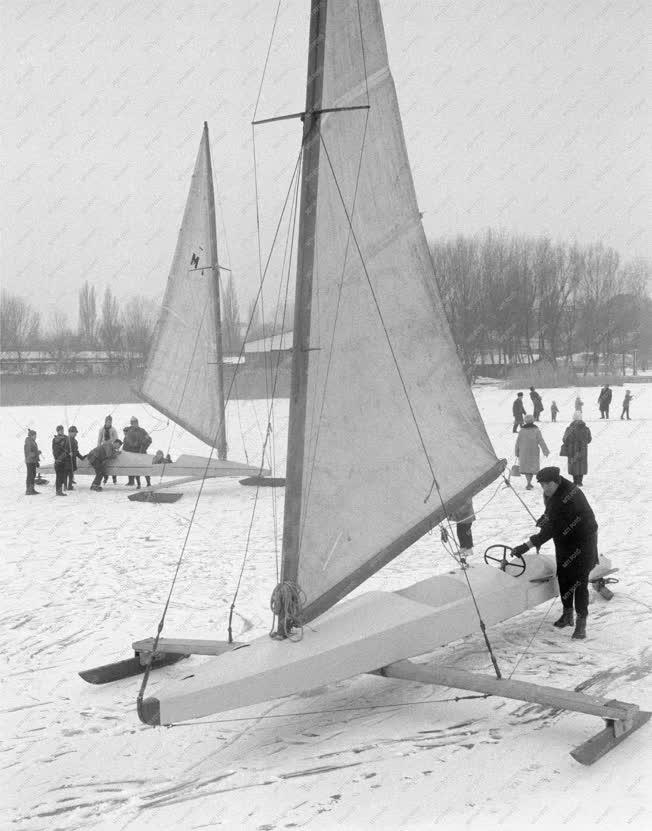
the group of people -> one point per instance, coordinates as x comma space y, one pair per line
575, 442
65, 450
568, 519
135, 440
519, 412
604, 402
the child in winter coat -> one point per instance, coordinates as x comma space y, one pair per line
628, 397
554, 409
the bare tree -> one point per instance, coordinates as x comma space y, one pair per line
19, 324
231, 339
60, 339
557, 274
110, 329
87, 316
598, 284
138, 316
457, 268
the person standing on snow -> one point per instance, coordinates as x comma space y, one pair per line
518, 411
32, 454
537, 403
464, 516
136, 440
107, 433
604, 400
570, 522
554, 409
73, 454
528, 442
577, 438
628, 397
60, 453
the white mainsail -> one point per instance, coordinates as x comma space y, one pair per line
380, 402
183, 378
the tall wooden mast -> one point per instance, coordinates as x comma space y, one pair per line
221, 436
303, 297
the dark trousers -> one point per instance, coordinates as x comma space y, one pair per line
518, 422
98, 467
61, 475
137, 478
31, 476
625, 412
464, 534
70, 475
573, 576
577, 479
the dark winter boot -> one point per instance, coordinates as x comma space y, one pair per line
566, 619
580, 629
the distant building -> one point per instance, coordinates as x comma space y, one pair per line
68, 362
269, 351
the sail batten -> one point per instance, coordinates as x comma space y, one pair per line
183, 376
380, 404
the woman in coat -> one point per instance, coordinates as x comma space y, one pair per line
528, 442
576, 443
107, 433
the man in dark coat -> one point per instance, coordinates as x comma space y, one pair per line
537, 403
518, 410
60, 453
32, 454
99, 456
604, 400
569, 521
73, 454
136, 440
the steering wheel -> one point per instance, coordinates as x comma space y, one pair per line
503, 562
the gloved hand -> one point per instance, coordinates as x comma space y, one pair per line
519, 550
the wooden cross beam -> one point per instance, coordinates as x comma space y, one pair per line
621, 718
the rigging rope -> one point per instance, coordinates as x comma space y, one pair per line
328, 711
435, 483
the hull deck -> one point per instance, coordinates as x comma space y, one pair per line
140, 464
359, 635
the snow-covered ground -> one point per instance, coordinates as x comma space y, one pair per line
86, 575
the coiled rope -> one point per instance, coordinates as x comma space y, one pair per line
287, 607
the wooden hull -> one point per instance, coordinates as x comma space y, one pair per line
140, 464
359, 635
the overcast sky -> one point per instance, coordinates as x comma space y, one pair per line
521, 115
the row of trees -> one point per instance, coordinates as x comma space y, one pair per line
509, 301
515, 300
126, 329
111, 326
